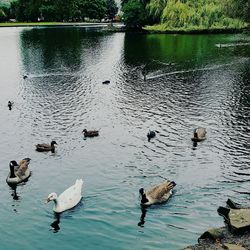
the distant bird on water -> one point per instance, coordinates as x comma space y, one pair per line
10, 104
90, 133
151, 134
199, 134
106, 82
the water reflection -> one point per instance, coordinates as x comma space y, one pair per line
55, 224
14, 193
142, 218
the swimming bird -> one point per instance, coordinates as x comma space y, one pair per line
199, 134
68, 199
106, 82
10, 104
151, 134
46, 147
18, 172
90, 133
157, 194
25, 76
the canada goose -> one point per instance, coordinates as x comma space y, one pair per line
199, 134
68, 199
151, 134
18, 172
90, 133
46, 147
157, 194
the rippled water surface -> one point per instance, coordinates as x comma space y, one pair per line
191, 82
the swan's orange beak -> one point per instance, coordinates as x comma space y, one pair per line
47, 200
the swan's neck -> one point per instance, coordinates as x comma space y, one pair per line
56, 202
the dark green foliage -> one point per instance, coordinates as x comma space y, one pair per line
94, 9
238, 9
134, 15
111, 9
61, 10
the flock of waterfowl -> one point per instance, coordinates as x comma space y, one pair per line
72, 195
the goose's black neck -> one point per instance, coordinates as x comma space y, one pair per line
12, 171
144, 199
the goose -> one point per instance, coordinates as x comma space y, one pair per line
199, 134
157, 194
10, 104
68, 199
106, 82
46, 147
18, 172
151, 134
90, 133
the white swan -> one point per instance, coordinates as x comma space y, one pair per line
68, 199
18, 173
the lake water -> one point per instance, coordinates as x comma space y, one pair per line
190, 82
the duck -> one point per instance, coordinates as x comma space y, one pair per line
151, 134
106, 82
68, 199
199, 134
25, 76
90, 133
157, 194
18, 172
46, 147
10, 104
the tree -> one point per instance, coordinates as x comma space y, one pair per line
111, 9
238, 8
134, 15
2, 15
155, 8
94, 9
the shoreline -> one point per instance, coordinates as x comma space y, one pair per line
120, 27
198, 31
52, 24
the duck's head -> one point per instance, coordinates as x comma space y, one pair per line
51, 197
53, 143
143, 196
84, 131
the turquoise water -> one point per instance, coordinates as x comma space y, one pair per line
190, 82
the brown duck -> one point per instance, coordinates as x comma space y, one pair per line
46, 147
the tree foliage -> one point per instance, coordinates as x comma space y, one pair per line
111, 9
63, 10
134, 14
